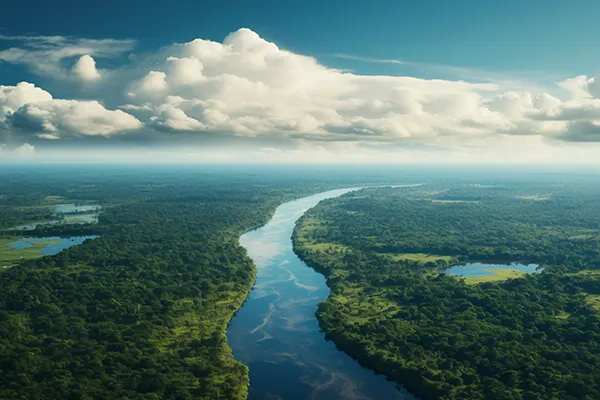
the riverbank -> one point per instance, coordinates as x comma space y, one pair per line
441, 338
276, 332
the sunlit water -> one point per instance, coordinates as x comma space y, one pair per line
276, 332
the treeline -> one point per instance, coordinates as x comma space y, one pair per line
521, 339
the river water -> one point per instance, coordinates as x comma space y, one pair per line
276, 333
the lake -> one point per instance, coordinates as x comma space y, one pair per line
57, 245
485, 269
72, 208
276, 333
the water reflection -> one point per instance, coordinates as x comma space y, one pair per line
55, 244
487, 269
276, 332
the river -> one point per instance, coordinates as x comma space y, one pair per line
276, 333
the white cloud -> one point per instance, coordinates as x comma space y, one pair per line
369, 59
85, 69
175, 119
25, 150
45, 55
72, 117
250, 88
153, 82
577, 87
33, 111
185, 70
13, 97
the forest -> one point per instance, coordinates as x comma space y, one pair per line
392, 307
141, 311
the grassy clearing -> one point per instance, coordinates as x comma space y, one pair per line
53, 198
327, 247
497, 275
417, 257
588, 272
582, 237
455, 201
82, 218
594, 301
43, 207
535, 197
365, 307
562, 316
309, 224
9, 254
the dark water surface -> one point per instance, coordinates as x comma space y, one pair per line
276, 332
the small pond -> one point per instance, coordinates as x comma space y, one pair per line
72, 208
55, 245
486, 269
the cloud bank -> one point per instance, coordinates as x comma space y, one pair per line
27, 110
247, 89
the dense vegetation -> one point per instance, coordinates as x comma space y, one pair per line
382, 251
139, 313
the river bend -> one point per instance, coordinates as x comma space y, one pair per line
276, 333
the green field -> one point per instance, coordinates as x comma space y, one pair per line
53, 199
588, 272
455, 201
534, 197
418, 257
327, 247
365, 307
594, 301
498, 275
9, 254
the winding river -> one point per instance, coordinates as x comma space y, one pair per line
276, 332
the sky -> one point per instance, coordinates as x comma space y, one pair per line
309, 82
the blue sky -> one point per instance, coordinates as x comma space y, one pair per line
519, 46
549, 36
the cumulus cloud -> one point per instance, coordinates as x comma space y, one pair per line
13, 97
577, 87
25, 150
246, 88
72, 117
175, 119
154, 82
30, 110
85, 69
250, 87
